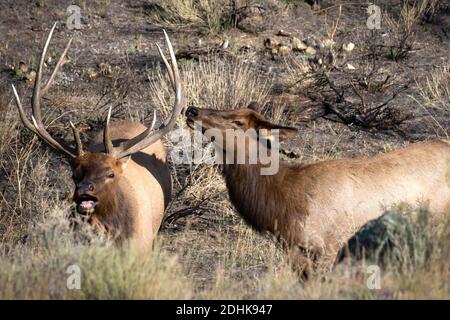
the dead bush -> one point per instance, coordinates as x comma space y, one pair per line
209, 16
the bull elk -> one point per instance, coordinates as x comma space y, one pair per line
314, 208
122, 181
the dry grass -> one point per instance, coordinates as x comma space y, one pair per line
39, 269
240, 265
210, 254
7, 133
215, 257
425, 10
433, 97
401, 26
211, 83
208, 15
435, 92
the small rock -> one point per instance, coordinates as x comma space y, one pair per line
310, 42
284, 50
23, 67
253, 24
310, 51
271, 43
283, 33
31, 75
225, 44
348, 47
350, 67
298, 45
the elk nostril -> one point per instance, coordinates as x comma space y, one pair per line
191, 112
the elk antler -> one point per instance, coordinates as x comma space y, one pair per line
149, 136
37, 126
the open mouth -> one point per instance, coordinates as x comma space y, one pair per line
86, 204
190, 122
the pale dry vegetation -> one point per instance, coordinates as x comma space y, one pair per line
208, 15
212, 260
435, 92
246, 266
211, 83
204, 250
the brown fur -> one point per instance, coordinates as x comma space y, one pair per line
130, 205
317, 207
126, 196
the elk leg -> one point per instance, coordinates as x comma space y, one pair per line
300, 262
304, 260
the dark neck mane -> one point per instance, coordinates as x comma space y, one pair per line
266, 202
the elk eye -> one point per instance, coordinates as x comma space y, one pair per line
237, 122
111, 175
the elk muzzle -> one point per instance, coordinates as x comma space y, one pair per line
84, 198
192, 115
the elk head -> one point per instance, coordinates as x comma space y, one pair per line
216, 123
96, 174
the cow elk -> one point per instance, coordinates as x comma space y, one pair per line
315, 208
122, 181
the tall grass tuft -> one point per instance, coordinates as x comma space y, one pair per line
210, 16
40, 269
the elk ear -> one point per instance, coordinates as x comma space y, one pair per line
287, 132
255, 106
284, 132
123, 162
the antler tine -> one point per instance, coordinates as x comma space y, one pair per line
55, 71
176, 73
23, 117
109, 149
168, 67
44, 135
154, 120
76, 134
33, 127
36, 98
149, 136
36, 126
